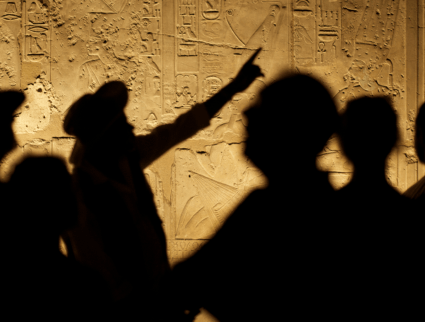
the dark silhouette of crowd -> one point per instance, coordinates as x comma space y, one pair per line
295, 249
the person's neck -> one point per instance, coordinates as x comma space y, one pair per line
301, 171
370, 175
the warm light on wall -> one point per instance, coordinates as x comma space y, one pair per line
172, 54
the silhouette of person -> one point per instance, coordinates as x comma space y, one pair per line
10, 101
268, 259
119, 232
378, 234
417, 191
41, 281
368, 134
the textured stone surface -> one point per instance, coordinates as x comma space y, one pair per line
174, 53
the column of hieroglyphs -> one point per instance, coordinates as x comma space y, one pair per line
172, 54
57, 50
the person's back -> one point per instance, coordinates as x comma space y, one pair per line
268, 260
120, 233
42, 282
378, 231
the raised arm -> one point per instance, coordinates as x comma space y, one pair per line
164, 137
245, 77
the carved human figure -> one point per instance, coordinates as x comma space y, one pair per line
103, 67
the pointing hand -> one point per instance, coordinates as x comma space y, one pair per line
247, 74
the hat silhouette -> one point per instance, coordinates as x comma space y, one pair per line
93, 113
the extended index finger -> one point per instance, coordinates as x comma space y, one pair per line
254, 55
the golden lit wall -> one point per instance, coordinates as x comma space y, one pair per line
174, 53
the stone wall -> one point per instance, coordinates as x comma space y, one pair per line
174, 53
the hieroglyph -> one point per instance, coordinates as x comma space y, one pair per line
173, 54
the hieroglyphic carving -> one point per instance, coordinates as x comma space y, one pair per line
186, 90
363, 32
156, 186
181, 249
211, 9
212, 59
128, 49
212, 29
115, 46
368, 47
37, 147
37, 31
329, 26
10, 10
211, 86
317, 24
304, 31
187, 35
174, 55
214, 182
10, 24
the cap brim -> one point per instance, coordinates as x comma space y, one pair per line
75, 112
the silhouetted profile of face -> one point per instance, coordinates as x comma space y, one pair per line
294, 120
420, 134
9, 102
369, 130
7, 137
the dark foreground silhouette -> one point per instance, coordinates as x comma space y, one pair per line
9, 102
41, 283
368, 134
378, 228
417, 191
294, 249
269, 260
119, 233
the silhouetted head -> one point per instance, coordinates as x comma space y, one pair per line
369, 131
420, 134
99, 118
9, 102
296, 115
44, 204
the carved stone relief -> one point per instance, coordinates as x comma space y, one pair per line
173, 54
